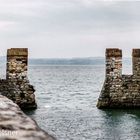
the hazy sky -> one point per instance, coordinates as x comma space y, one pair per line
69, 28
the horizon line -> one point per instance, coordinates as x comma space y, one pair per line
67, 57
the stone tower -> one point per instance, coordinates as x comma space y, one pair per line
113, 76
16, 86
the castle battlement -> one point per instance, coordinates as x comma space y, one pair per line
120, 91
16, 86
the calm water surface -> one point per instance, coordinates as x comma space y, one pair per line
67, 97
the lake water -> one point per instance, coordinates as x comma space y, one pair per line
67, 97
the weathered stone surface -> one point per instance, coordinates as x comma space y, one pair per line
21, 95
15, 125
113, 52
16, 86
16, 52
120, 91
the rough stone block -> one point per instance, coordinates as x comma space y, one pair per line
113, 52
136, 53
17, 52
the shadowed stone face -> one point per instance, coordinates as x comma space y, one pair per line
15, 125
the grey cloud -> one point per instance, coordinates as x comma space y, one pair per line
63, 27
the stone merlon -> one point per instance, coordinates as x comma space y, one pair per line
120, 91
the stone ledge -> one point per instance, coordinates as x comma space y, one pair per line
17, 52
113, 52
136, 53
15, 125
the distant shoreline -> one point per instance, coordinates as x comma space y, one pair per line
68, 61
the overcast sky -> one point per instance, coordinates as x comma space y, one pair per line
69, 28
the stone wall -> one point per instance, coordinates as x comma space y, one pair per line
15, 125
120, 91
16, 86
